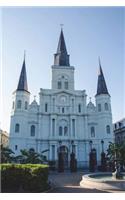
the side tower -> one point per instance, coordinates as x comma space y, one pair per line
19, 113
104, 112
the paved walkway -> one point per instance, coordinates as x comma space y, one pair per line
69, 183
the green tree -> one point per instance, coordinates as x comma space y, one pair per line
6, 155
30, 156
116, 151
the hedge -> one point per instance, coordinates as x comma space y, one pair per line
24, 177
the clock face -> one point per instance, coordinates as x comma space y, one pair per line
63, 99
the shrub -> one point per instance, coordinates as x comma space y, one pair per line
24, 177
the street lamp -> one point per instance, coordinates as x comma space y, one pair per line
60, 142
90, 143
72, 142
102, 142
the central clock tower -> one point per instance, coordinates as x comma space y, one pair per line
62, 72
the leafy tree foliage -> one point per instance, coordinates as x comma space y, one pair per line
116, 151
7, 155
30, 156
26, 156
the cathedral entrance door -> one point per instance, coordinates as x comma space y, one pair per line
64, 152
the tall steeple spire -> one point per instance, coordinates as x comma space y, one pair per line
101, 86
61, 58
22, 84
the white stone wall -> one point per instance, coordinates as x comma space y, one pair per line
57, 99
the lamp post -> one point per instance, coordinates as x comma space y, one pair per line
102, 142
91, 158
117, 174
60, 159
73, 161
60, 142
90, 143
72, 142
103, 158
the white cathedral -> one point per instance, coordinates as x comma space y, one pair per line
62, 120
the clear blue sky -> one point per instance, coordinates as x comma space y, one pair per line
89, 33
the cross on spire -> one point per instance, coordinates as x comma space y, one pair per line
61, 26
24, 54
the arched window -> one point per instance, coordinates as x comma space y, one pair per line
59, 85
13, 105
118, 139
66, 85
115, 126
92, 131
32, 130
106, 106
79, 108
46, 107
99, 107
32, 150
73, 127
63, 110
65, 131
53, 127
26, 105
17, 128
19, 104
108, 129
16, 147
60, 130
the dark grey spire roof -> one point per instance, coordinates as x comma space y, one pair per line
22, 85
101, 87
61, 58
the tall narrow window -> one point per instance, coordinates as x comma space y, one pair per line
106, 106
17, 128
73, 127
108, 129
59, 85
72, 105
53, 152
26, 105
60, 130
79, 108
74, 149
66, 85
53, 127
46, 107
13, 105
19, 104
16, 147
92, 131
53, 104
99, 107
65, 131
32, 131
63, 110
120, 124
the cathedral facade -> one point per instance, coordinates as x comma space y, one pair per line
62, 120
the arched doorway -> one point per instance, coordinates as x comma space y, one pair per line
63, 150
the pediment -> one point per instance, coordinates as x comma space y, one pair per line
63, 92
